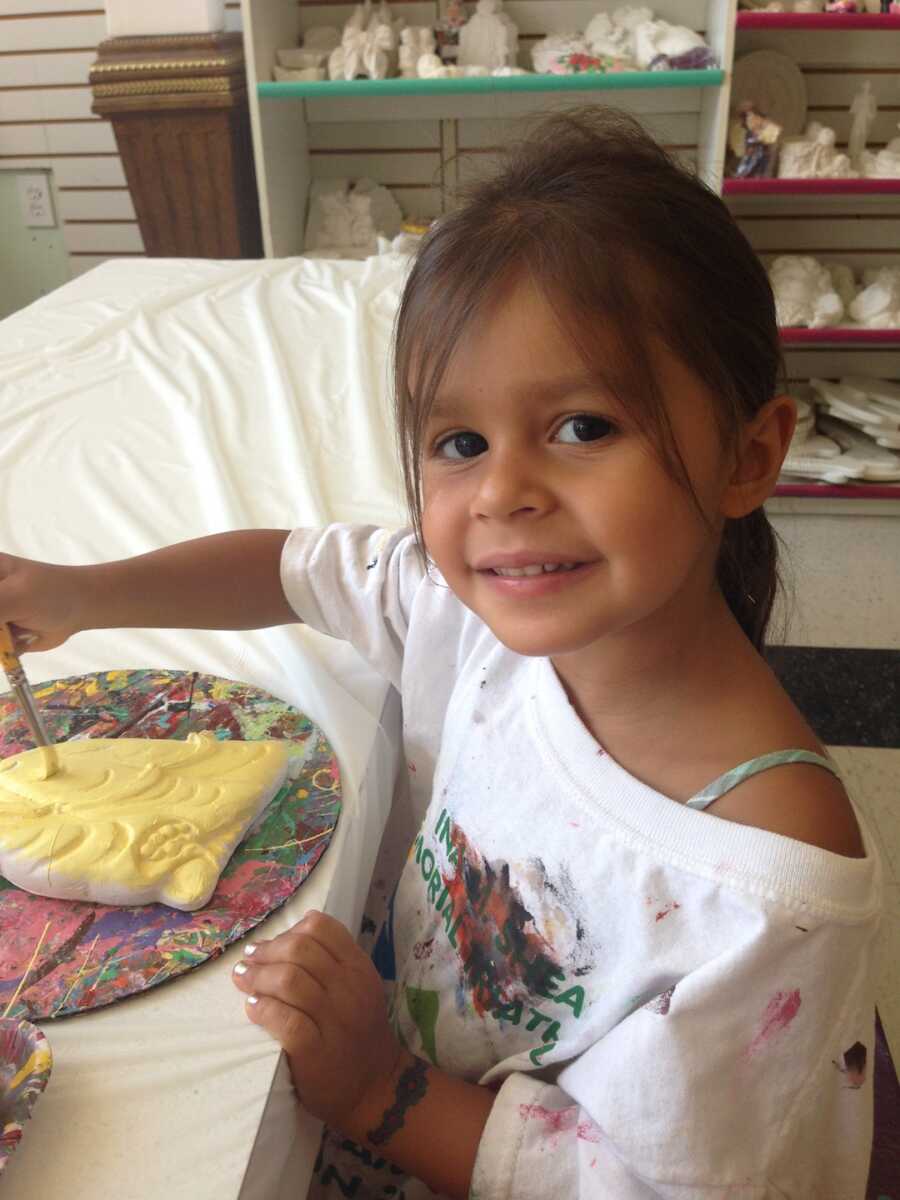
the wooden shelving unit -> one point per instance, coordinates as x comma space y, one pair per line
282, 114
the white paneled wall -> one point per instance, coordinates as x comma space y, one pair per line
46, 51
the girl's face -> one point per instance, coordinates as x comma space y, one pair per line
528, 466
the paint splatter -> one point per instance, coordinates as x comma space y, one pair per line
498, 942
662, 1003
504, 956
780, 1012
557, 1121
854, 1065
424, 1005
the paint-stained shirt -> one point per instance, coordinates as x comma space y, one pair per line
667, 1004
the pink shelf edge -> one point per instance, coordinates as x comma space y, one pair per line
810, 187
834, 21
837, 334
841, 491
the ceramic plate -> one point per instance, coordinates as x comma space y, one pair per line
775, 84
25, 1063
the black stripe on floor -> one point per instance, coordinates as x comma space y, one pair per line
850, 697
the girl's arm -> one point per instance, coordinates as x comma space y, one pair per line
227, 581
426, 1122
318, 994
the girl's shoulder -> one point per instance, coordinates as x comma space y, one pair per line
800, 800
806, 801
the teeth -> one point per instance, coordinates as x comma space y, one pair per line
535, 569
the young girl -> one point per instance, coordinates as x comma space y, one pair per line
628, 953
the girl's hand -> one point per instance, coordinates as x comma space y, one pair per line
318, 994
39, 601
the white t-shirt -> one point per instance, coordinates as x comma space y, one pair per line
669, 1004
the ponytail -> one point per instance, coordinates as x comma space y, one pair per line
747, 572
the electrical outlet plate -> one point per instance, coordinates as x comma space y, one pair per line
36, 201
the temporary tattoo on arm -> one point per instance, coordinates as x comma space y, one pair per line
411, 1087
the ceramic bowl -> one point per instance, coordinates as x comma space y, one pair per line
25, 1063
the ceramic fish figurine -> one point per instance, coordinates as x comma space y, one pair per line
133, 820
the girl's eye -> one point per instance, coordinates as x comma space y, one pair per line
584, 428
461, 445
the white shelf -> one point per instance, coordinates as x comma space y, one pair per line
281, 113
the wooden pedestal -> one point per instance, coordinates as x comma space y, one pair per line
178, 106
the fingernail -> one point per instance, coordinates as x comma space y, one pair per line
249, 949
240, 969
253, 999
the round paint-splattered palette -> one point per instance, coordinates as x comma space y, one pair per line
89, 955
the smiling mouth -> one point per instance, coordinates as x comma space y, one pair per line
534, 569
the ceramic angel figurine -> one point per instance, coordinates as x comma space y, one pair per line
346, 60
379, 56
415, 40
368, 45
864, 110
489, 39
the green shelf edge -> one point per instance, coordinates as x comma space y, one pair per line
584, 82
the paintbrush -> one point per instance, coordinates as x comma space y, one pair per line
21, 689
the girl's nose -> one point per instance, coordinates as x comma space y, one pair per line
509, 484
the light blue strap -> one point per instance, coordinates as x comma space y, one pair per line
737, 775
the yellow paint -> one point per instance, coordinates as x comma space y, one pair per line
38, 1060
9, 660
133, 820
48, 761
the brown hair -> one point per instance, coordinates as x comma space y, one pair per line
613, 229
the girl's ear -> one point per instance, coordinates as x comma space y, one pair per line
763, 444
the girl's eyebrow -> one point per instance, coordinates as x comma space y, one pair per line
538, 390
